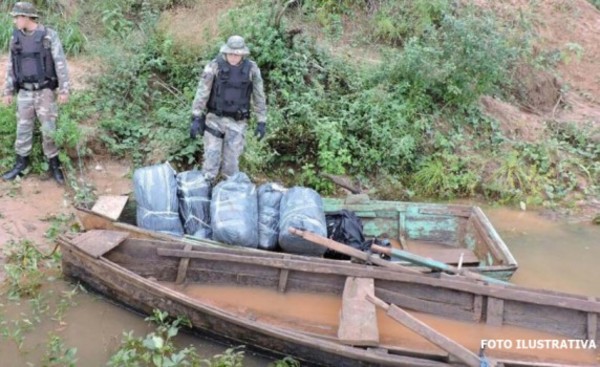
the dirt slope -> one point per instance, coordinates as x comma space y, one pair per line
570, 30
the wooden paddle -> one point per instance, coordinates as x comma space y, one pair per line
433, 264
350, 251
414, 324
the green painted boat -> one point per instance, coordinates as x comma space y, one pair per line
458, 235
440, 232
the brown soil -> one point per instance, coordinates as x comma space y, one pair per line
28, 205
570, 28
191, 27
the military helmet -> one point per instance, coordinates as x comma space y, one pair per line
235, 45
25, 9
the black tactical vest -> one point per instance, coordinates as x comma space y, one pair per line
32, 60
231, 90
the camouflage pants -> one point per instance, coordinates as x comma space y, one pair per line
32, 104
230, 147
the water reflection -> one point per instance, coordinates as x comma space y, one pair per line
552, 255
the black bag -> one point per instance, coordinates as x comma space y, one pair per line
345, 227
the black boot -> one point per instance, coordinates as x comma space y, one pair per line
56, 171
20, 165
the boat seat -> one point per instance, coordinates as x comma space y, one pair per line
358, 317
446, 254
98, 242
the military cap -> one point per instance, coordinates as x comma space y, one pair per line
235, 45
25, 9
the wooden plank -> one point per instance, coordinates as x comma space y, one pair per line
449, 255
421, 261
402, 229
429, 354
502, 362
421, 305
483, 234
110, 206
358, 317
550, 319
98, 242
283, 276
496, 240
495, 311
350, 251
440, 340
592, 323
454, 211
183, 265
477, 307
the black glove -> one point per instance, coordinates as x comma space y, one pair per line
198, 126
260, 130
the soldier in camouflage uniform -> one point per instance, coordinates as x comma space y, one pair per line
36, 69
221, 108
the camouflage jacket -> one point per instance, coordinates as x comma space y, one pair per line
60, 64
205, 85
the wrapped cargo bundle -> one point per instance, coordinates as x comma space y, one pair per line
156, 196
193, 191
234, 211
269, 199
301, 208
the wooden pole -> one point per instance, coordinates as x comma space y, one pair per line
350, 251
433, 264
442, 341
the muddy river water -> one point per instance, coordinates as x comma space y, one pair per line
552, 255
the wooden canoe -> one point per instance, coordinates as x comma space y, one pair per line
150, 273
441, 232
451, 234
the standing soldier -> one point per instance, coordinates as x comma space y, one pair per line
221, 107
36, 69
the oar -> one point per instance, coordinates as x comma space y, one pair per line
348, 250
453, 348
434, 264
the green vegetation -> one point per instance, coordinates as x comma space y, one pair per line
410, 123
28, 275
24, 269
157, 349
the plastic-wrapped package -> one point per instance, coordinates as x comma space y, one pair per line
193, 191
234, 211
156, 196
301, 208
269, 199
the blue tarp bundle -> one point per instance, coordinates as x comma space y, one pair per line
156, 196
193, 190
269, 199
301, 208
234, 211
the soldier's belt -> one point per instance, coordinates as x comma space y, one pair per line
34, 86
234, 115
215, 133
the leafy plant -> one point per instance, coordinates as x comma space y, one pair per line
59, 224
157, 348
23, 267
58, 355
232, 357
285, 362
395, 22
